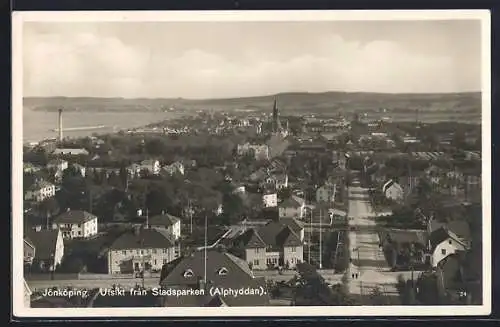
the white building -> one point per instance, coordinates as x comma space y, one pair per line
270, 200
76, 224
174, 168
81, 169
71, 152
326, 193
140, 250
276, 181
168, 223
442, 243
293, 207
40, 191
149, 166
393, 191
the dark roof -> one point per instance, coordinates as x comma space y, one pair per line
163, 220
290, 202
44, 242
27, 240
250, 239
238, 275
440, 235
142, 239
74, 217
459, 227
294, 224
276, 234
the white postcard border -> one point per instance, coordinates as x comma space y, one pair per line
18, 18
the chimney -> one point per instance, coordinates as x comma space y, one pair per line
60, 125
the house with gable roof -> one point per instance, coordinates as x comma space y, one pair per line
292, 207
76, 224
140, 250
47, 248
275, 244
167, 222
223, 271
393, 190
442, 243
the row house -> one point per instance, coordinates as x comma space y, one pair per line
76, 224
140, 250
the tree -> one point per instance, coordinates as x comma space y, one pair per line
115, 180
48, 207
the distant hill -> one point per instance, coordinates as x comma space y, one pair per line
289, 102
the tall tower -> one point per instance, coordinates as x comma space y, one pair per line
60, 125
276, 118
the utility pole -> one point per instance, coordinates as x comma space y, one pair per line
320, 239
190, 213
310, 235
205, 259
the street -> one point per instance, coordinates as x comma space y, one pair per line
368, 268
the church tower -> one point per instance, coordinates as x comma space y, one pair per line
276, 117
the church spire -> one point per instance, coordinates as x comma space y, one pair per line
276, 118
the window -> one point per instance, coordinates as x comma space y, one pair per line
257, 250
443, 251
79, 225
142, 251
165, 261
155, 262
222, 271
124, 252
449, 242
164, 250
188, 273
294, 249
256, 262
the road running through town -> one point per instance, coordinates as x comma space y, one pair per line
368, 268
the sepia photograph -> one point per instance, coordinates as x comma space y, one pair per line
238, 163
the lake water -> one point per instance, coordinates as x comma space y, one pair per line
38, 125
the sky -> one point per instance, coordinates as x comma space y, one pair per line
235, 59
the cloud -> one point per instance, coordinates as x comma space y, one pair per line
90, 64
